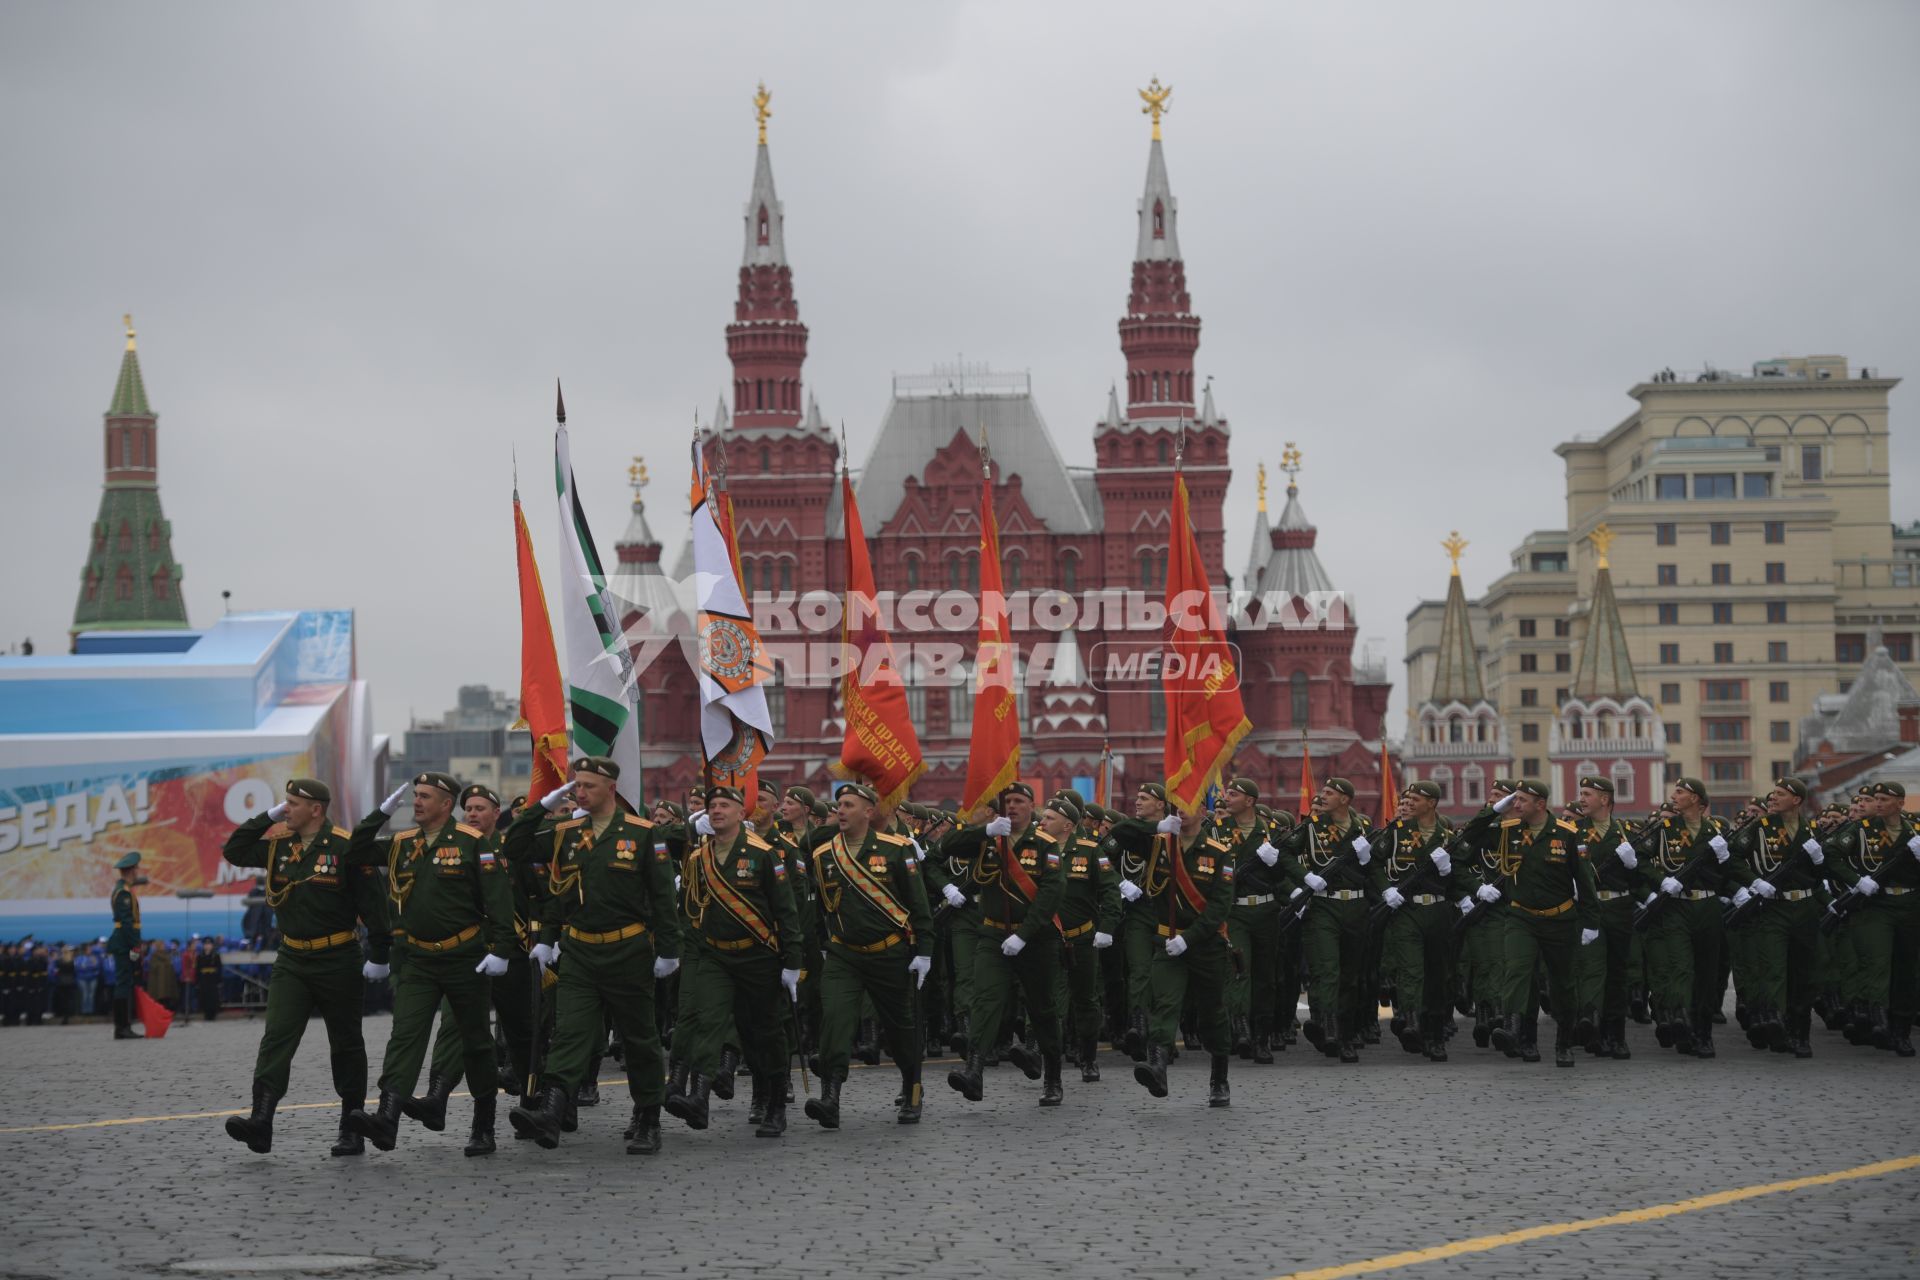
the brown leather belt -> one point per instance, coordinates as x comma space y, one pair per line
633, 930
738, 944
1547, 913
871, 947
332, 940
441, 944
1076, 931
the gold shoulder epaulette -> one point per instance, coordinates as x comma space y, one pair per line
887, 837
824, 844
1509, 822
569, 824
1218, 844
278, 831
408, 834
1568, 825
755, 842
343, 833
466, 830
635, 820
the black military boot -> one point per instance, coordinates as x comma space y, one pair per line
1637, 1006
1703, 1037
1242, 1039
1289, 1031
677, 1076
1799, 1033
1023, 1057
866, 1045
1136, 1045
1743, 1015
382, 1127
1051, 1094
1530, 1039
1370, 1030
967, 1079
1859, 1023
692, 1105
1683, 1030
757, 1109
430, 1109
541, 1121
257, 1129
722, 1082
826, 1108
1879, 1033
770, 1096
1899, 1035
123, 1021
1347, 1042
1218, 1095
1562, 1046
1315, 1030
480, 1138
912, 1096
958, 1040
348, 1143
1411, 1033
1153, 1072
633, 1124
646, 1135
1262, 1042
588, 1092
1586, 1032
1436, 1030
1090, 1060
1483, 1020
1620, 1051
1505, 1035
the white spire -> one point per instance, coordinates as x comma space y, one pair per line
720, 415
1159, 212
813, 421
1208, 418
766, 229
1114, 420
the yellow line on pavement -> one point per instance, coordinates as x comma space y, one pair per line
1652, 1213
288, 1106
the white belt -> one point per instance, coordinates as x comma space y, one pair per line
1427, 899
1341, 895
1254, 900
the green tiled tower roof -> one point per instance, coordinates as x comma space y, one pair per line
1605, 669
1456, 676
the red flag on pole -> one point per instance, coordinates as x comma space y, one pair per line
1307, 789
543, 696
993, 756
153, 1015
1205, 717
880, 745
1389, 789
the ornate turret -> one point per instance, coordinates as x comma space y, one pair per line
1159, 334
1605, 669
766, 341
1456, 739
1604, 728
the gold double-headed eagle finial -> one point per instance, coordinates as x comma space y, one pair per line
128, 321
1155, 96
637, 474
1290, 463
760, 110
1601, 538
1261, 480
1454, 545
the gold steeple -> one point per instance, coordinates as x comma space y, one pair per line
1454, 545
1601, 538
128, 319
1156, 99
1261, 480
760, 110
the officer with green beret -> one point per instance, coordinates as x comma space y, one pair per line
1686, 937
1188, 903
1327, 856
1089, 916
1415, 877
1253, 925
1878, 856
1778, 861
1602, 969
611, 905
1143, 847
453, 918
873, 911
123, 944
511, 994
319, 897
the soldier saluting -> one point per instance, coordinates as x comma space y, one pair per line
1315, 856
1188, 904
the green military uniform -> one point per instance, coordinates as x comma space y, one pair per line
1188, 905
791, 841
1089, 911
1142, 853
1782, 942
874, 915
122, 944
1885, 932
1603, 968
1481, 935
1253, 931
319, 897
1417, 946
1685, 939
1334, 931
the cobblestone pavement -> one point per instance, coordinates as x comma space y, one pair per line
1314, 1165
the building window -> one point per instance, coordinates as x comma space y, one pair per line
956, 573
1622, 782
1714, 485
776, 691
912, 564
1673, 733
1776, 611
153, 535
1776, 571
1810, 462
1668, 615
1850, 647
1070, 571
1899, 646
1781, 768
1442, 778
916, 691
1530, 732
1529, 697
1669, 655
1723, 730
1776, 651
1527, 629
960, 702
786, 576
1160, 449
1780, 731
1156, 709
1562, 628
1666, 575
1665, 535
1297, 704
1016, 570
766, 460
1669, 692
1722, 615
1777, 691
1669, 488
1756, 484
1723, 691
1722, 575
123, 584
1723, 652
1726, 770
1559, 697
1530, 767
1720, 533
1563, 662
973, 570
126, 536
1529, 662
1776, 531
160, 583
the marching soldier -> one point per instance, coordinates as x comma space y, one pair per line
611, 905
1189, 904
1327, 855
1483, 944
1017, 881
1778, 861
1684, 941
1253, 926
123, 945
789, 834
1418, 946
742, 912
1604, 966
1144, 846
453, 919
873, 909
1878, 856
319, 897
1089, 917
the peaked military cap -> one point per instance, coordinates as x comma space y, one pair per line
127, 863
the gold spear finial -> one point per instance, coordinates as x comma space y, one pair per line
1290, 463
760, 111
1454, 545
1261, 480
1156, 99
1601, 538
128, 321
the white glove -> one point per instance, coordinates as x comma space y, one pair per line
665, 967
1762, 887
919, 850
1013, 946
1001, 826
1588, 936
1505, 802
556, 797
1487, 893
1628, 858
1741, 897
578, 814
1913, 846
544, 954
1815, 854
1442, 862
374, 972
1393, 898
392, 802
1129, 891
1268, 854
1101, 941
1362, 850
954, 897
1176, 945
1315, 883
1466, 905
1169, 825
1719, 846
278, 811
920, 967
790, 979
702, 824
1867, 885
491, 965
1671, 887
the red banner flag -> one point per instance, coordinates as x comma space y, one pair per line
993, 756
1205, 717
152, 1015
1389, 789
1307, 789
543, 696
880, 745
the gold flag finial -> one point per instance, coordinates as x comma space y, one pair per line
1601, 538
1290, 463
1155, 96
128, 321
637, 474
1261, 480
760, 111
1454, 545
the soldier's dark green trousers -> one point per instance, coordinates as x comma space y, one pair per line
1529, 940
1417, 953
511, 996
1254, 931
419, 985
1886, 944
304, 982
963, 936
1683, 956
1781, 946
993, 977
1602, 968
880, 976
729, 990
1484, 953
1198, 978
1334, 937
1139, 941
602, 982
1083, 988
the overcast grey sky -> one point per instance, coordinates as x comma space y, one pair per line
1428, 242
